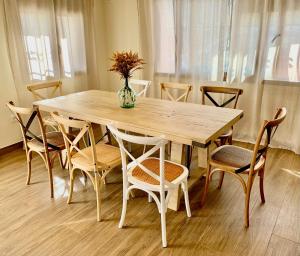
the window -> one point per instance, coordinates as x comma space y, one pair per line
47, 41
165, 41
197, 38
180, 44
283, 50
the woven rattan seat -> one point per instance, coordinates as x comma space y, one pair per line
172, 171
106, 154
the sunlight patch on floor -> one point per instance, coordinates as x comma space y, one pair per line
292, 172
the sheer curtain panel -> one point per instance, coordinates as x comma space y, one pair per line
251, 44
50, 39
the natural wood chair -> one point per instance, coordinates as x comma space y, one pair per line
166, 88
53, 89
48, 145
96, 161
237, 161
141, 86
151, 175
234, 93
222, 92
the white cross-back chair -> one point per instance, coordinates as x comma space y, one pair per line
140, 86
150, 174
96, 161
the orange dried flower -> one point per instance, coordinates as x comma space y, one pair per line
125, 63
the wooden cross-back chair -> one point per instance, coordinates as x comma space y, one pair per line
237, 160
52, 89
141, 85
55, 86
96, 161
234, 94
150, 174
166, 88
48, 145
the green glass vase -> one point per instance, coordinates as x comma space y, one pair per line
126, 96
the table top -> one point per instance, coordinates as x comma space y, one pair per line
180, 122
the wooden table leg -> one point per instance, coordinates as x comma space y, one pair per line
204, 155
203, 158
177, 157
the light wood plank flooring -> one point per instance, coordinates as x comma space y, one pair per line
33, 224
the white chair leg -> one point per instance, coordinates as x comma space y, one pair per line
163, 219
149, 198
184, 187
124, 208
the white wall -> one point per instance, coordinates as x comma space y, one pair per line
117, 29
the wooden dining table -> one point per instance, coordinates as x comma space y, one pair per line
181, 123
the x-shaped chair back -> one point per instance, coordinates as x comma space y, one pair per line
234, 92
158, 143
166, 88
27, 134
140, 86
72, 146
267, 131
54, 86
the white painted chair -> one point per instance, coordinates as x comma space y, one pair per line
140, 86
151, 175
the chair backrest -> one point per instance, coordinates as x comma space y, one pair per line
20, 113
267, 131
140, 86
72, 143
158, 143
54, 86
234, 92
166, 88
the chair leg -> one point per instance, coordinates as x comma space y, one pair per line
163, 219
49, 168
144, 149
60, 160
247, 201
261, 184
85, 177
184, 187
207, 180
98, 194
149, 198
71, 186
221, 179
124, 207
29, 159
229, 139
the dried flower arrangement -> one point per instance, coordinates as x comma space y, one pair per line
125, 63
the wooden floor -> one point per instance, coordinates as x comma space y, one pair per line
33, 224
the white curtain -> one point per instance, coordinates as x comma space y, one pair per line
247, 43
50, 39
182, 43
